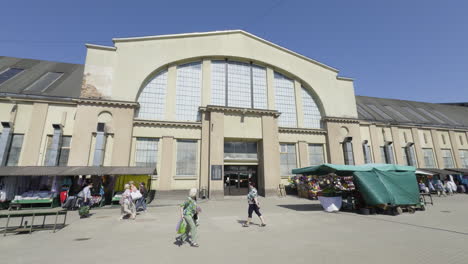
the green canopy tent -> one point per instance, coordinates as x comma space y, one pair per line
377, 183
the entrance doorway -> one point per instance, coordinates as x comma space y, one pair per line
237, 177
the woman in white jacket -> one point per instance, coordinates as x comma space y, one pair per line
127, 206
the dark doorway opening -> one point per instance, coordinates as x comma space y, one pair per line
237, 178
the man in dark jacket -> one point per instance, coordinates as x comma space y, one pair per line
141, 203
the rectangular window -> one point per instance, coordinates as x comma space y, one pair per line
239, 85
448, 158
218, 83
146, 154
383, 157
316, 155
367, 153
312, 117
64, 151
405, 156
15, 150
287, 159
464, 158
240, 150
46, 80
285, 101
259, 87
8, 74
186, 158
348, 153
429, 161
188, 91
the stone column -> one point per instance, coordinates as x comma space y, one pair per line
334, 139
167, 172
123, 130
216, 187
33, 137
417, 147
270, 181
455, 149
299, 112
303, 154
205, 151
206, 82
85, 125
171, 93
437, 150
374, 135
271, 89
397, 146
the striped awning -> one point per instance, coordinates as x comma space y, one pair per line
74, 171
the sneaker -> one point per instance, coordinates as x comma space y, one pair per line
262, 225
194, 245
245, 225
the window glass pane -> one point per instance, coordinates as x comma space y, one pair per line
65, 150
239, 89
186, 158
218, 83
383, 157
153, 98
405, 156
316, 155
188, 91
8, 74
464, 158
448, 159
259, 87
15, 150
240, 150
367, 153
348, 153
429, 158
400, 115
146, 152
287, 159
312, 117
285, 101
415, 114
438, 120
44, 82
380, 112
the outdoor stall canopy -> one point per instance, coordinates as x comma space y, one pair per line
377, 183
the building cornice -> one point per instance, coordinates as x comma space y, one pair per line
408, 125
238, 110
158, 123
107, 103
302, 130
342, 78
100, 47
341, 120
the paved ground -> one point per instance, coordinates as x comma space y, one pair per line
297, 232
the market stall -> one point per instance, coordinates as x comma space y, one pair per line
377, 186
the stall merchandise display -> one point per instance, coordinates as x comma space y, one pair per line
324, 185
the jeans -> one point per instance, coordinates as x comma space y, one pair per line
191, 228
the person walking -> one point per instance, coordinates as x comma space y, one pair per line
126, 204
141, 203
85, 195
187, 211
254, 205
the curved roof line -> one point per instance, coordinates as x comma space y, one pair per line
224, 32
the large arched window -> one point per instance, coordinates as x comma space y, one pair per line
312, 117
153, 98
285, 100
238, 84
188, 91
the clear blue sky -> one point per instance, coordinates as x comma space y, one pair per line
412, 49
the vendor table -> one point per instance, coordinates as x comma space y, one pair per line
22, 203
32, 213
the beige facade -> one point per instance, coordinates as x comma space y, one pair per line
115, 79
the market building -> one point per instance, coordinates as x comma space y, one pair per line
213, 111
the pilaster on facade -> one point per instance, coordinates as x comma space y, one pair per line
33, 137
418, 147
170, 113
437, 149
455, 149
299, 109
303, 154
271, 88
206, 82
397, 148
167, 171
377, 158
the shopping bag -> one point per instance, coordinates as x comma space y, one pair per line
136, 195
181, 226
84, 211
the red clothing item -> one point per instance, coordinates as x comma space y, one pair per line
63, 196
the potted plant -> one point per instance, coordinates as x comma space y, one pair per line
330, 198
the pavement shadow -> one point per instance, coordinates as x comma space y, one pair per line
302, 207
242, 222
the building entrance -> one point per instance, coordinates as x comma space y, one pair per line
237, 177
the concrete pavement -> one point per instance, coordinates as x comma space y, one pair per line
297, 231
